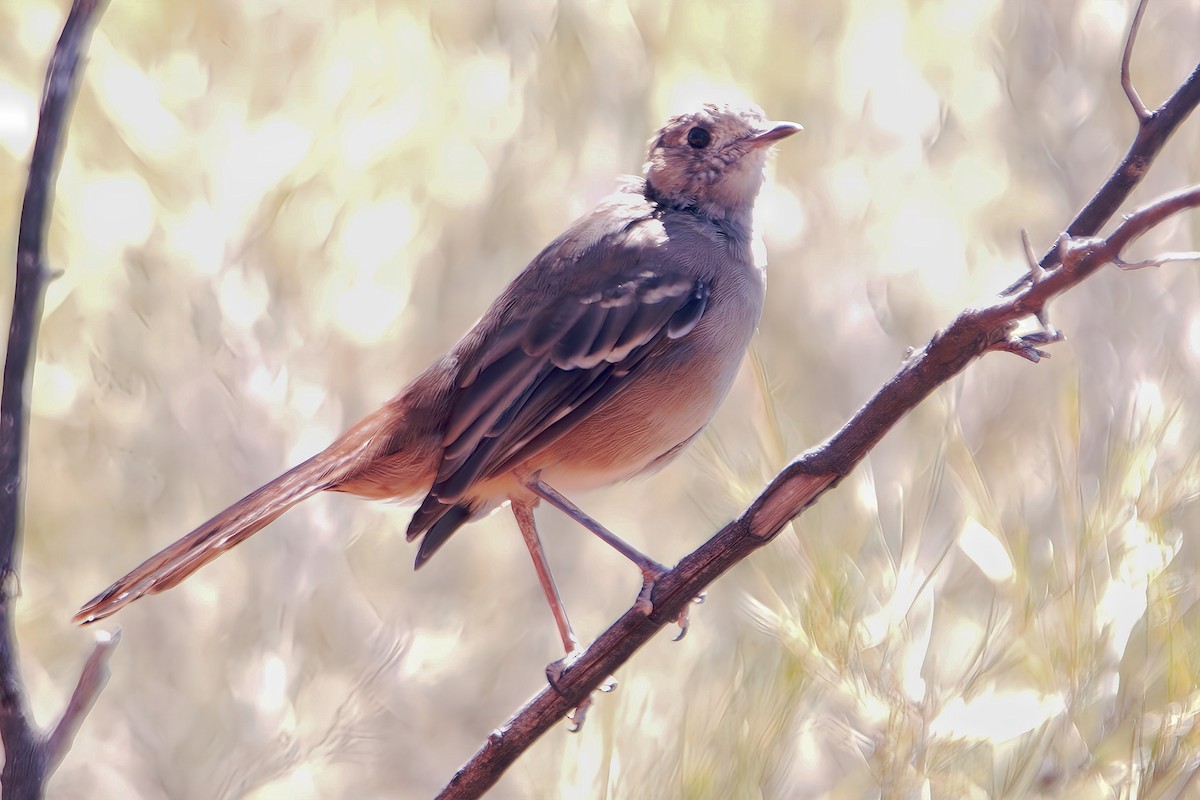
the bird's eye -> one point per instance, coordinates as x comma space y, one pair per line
699, 138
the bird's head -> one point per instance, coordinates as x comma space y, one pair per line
712, 160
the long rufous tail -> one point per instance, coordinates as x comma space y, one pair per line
232, 526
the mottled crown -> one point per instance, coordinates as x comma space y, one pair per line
711, 160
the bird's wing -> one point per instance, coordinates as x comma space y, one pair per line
550, 367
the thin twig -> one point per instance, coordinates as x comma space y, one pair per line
1036, 273
91, 681
1158, 261
28, 761
1131, 91
1155, 128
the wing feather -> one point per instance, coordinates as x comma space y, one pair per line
543, 372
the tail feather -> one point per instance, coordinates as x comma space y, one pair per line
232, 526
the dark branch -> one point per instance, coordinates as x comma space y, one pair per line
1151, 136
28, 760
1155, 128
974, 333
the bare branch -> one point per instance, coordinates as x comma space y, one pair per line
91, 681
1158, 261
28, 761
1131, 91
1073, 258
973, 333
1149, 216
1154, 130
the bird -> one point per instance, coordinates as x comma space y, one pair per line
601, 360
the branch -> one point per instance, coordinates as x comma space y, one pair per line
1154, 129
974, 333
91, 681
1131, 92
29, 757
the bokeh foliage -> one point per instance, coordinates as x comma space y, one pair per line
270, 216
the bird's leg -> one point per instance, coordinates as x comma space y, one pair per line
651, 569
524, 514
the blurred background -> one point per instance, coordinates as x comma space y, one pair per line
271, 216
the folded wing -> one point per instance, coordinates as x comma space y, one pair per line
543, 373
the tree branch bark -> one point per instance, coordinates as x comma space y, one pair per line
1155, 128
972, 334
29, 756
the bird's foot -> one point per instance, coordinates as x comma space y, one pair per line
651, 572
578, 715
554, 672
555, 669
684, 620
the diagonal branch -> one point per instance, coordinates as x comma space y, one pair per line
1155, 128
29, 756
91, 680
972, 334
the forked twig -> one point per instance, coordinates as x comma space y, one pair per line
1154, 129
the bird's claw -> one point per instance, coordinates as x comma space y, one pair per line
555, 669
578, 715
644, 604
684, 620
643, 601
554, 673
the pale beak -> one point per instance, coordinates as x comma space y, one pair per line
777, 131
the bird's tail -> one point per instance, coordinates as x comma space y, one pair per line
232, 526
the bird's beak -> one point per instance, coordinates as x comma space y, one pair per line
777, 131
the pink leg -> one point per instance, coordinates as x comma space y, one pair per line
524, 514
651, 569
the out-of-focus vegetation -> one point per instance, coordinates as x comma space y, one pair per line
273, 215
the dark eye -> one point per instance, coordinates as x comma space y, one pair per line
699, 138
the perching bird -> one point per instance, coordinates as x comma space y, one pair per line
601, 360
